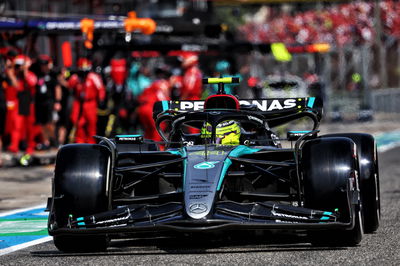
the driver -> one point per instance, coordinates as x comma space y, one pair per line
226, 133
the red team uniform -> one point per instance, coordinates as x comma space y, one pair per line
159, 90
20, 118
87, 93
192, 78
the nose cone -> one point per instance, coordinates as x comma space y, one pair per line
202, 176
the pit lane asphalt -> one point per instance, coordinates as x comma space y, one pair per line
381, 248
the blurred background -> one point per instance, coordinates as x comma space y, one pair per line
73, 69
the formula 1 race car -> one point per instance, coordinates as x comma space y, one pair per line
220, 168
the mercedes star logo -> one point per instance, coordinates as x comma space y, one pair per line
198, 208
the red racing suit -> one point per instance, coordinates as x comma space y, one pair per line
159, 90
192, 84
84, 107
20, 117
118, 71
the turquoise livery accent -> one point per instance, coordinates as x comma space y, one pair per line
324, 218
237, 152
300, 131
184, 167
242, 150
81, 224
311, 101
80, 219
128, 136
227, 163
182, 153
327, 213
176, 152
205, 165
165, 105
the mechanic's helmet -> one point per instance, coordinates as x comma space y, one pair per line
22, 60
189, 60
44, 59
222, 66
84, 64
226, 133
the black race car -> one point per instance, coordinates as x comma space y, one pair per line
326, 186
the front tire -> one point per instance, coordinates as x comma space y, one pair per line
369, 178
80, 180
330, 184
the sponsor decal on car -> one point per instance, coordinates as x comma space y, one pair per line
262, 105
198, 208
255, 119
205, 165
203, 153
270, 105
189, 105
288, 215
198, 196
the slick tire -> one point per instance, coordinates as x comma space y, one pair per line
80, 180
330, 184
369, 178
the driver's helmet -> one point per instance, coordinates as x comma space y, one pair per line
226, 133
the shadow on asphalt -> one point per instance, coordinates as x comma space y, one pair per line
199, 244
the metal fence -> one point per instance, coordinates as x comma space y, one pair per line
386, 100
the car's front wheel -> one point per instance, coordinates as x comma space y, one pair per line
81, 175
369, 178
331, 184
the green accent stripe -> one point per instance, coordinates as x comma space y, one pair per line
42, 232
24, 219
35, 226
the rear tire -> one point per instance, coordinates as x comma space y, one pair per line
369, 178
330, 183
80, 180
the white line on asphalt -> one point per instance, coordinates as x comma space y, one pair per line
25, 245
21, 210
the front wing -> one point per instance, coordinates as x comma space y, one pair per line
226, 216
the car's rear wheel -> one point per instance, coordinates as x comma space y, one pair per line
80, 181
330, 184
369, 178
